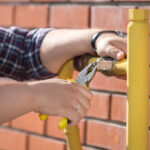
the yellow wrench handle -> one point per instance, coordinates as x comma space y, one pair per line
43, 117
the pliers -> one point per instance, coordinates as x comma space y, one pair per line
84, 77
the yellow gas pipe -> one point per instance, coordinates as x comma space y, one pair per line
137, 80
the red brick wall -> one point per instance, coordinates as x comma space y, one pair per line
104, 126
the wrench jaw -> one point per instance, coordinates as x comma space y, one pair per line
106, 67
111, 67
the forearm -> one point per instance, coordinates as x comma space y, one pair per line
15, 100
60, 45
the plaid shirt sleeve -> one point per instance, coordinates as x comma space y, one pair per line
20, 54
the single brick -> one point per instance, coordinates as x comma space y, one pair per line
106, 135
53, 130
50, 0
91, 0
14, 0
118, 108
100, 106
102, 82
43, 143
72, 16
132, 0
114, 18
6, 15
31, 16
12, 140
30, 122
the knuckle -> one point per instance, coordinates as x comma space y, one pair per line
88, 106
101, 53
83, 112
74, 102
90, 95
77, 117
113, 51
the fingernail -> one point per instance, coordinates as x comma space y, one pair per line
120, 55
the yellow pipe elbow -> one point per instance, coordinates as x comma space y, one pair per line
120, 67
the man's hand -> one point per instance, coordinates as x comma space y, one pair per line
61, 98
111, 45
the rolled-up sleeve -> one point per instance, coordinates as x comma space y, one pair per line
20, 54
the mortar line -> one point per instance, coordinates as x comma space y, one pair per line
85, 133
89, 21
110, 108
48, 16
95, 147
27, 142
109, 92
112, 3
108, 121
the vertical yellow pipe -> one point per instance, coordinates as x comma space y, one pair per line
137, 80
71, 132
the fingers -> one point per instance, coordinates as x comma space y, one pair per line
112, 46
79, 103
83, 91
80, 100
73, 115
80, 109
86, 102
83, 95
76, 114
113, 52
120, 43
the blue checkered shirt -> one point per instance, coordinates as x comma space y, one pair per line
20, 54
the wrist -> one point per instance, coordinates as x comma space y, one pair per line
34, 96
41, 91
